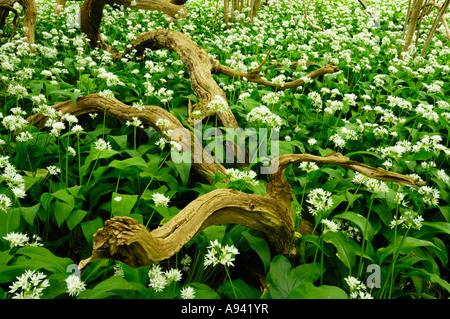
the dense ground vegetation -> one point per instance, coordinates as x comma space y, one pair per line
369, 239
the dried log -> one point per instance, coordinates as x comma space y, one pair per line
150, 115
122, 238
4, 11
200, 67
91, 13
198, 64
440, 17
29, 19
254, 76
413, 18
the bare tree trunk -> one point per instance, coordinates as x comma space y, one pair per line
254, 9
440, 17
414, 17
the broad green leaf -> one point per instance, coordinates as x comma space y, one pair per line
28, 213
203, 291
242, 289
260, 246
366, 229
345, 250
61, 211
90, 228
64, 195
132, 161
309, 291
114, 287
405, 246
282, 279
122, 204
37, 258
75, 218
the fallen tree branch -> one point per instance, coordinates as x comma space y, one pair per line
254, 76
149, 116
91, 14
29, 19
440, 17
122, 238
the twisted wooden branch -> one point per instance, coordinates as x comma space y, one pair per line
149, 116
122, 238
29, 19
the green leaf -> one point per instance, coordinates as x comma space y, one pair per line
309, 291
345, 251
75, 218
359, 221
242, 289
61, 211
114, 287
282, 279
28, 213
203, 291
138, 162
405, 246
90, 228
260, 246
37, 258
122, 204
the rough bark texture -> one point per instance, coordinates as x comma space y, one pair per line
414, 17
91, 13
439, 18
122, 238
150, 115
29, 19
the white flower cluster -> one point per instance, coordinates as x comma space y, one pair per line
247, 176
219, 254
102, 145
75, 285
159, 279
373, 185
429, 195
319, 200
263, 115
308, 167
111, 78
14, 180
29, 285
160, 200
218, 104
408, 219
20, 240
358, 290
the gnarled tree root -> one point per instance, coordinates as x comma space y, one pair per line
29, 19
149, 116
122, 238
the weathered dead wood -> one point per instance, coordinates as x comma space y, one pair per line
29, 19
91, 13
122, 238
4, 11
254, 76
413, 18
305, 15
149, 116
197, 63
200, 67
440, 17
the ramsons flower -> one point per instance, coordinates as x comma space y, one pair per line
219, 254
30, 285
160, 200
75, 285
